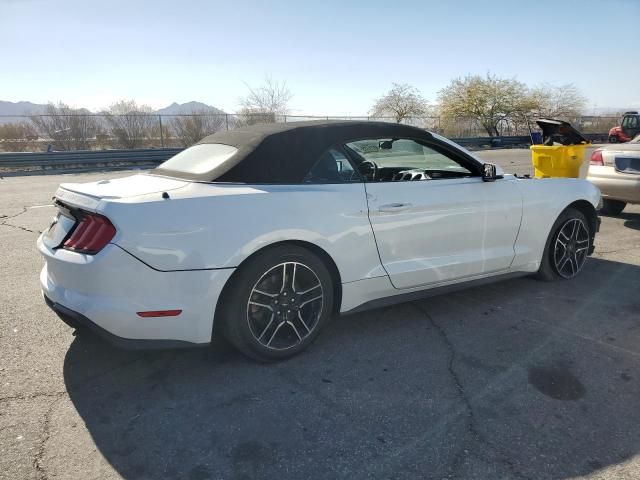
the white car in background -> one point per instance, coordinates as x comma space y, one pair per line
615, 170
263, 233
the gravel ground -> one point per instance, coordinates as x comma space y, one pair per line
519, 379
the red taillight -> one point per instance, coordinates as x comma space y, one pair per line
92, 233
596, 158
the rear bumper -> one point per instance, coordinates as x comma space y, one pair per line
78, 321
615, 185
104, 292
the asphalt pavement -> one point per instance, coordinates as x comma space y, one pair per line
515, 380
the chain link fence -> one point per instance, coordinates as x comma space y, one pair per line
102, 131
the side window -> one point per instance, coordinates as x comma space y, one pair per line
630, 121
399, 159
332, 167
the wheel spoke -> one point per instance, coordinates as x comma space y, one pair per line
303, 322
274, 333
564, 234
295, 330
273, 315
574, 229
271, 295
284, 277
318, 297
304, 292
293, 279
258, 304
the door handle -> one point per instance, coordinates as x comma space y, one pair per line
395, 207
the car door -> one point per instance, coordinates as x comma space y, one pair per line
434, 219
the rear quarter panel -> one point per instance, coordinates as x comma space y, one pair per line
206, 226
543, 201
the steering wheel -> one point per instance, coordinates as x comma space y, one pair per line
369, 167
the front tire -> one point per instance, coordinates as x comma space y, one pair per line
567, 247
278, 303
612, 207
613, 139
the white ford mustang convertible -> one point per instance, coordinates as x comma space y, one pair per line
263, 233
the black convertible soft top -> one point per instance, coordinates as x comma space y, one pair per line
285, 152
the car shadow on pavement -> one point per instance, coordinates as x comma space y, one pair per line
519, 379
631, 220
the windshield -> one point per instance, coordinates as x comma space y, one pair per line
199, 158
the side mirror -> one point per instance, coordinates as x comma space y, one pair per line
489, 172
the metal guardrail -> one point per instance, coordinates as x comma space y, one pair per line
12, 164
493, 142
38, 163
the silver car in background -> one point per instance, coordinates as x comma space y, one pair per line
615, 170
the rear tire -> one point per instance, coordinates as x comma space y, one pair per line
567, 247
613, 139
278, 303
612, 207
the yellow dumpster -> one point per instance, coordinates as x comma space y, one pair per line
562, 152
557, 160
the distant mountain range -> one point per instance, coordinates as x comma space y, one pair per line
28, 108
20, 108
189, 107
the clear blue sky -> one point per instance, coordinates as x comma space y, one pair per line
337, 56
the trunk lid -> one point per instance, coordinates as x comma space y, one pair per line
624, 158
73, 198
127, 187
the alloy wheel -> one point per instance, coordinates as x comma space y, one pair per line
285, 305
571, 248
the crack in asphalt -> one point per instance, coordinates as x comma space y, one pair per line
44, 437
7, 217
5, 224
46, 425
472, 429
24, 210
38, 458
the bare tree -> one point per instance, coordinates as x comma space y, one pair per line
68, 128
17, 137
265, 103
131, 124
491, 101
191, 128
244, 117
400, 102
557, 101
